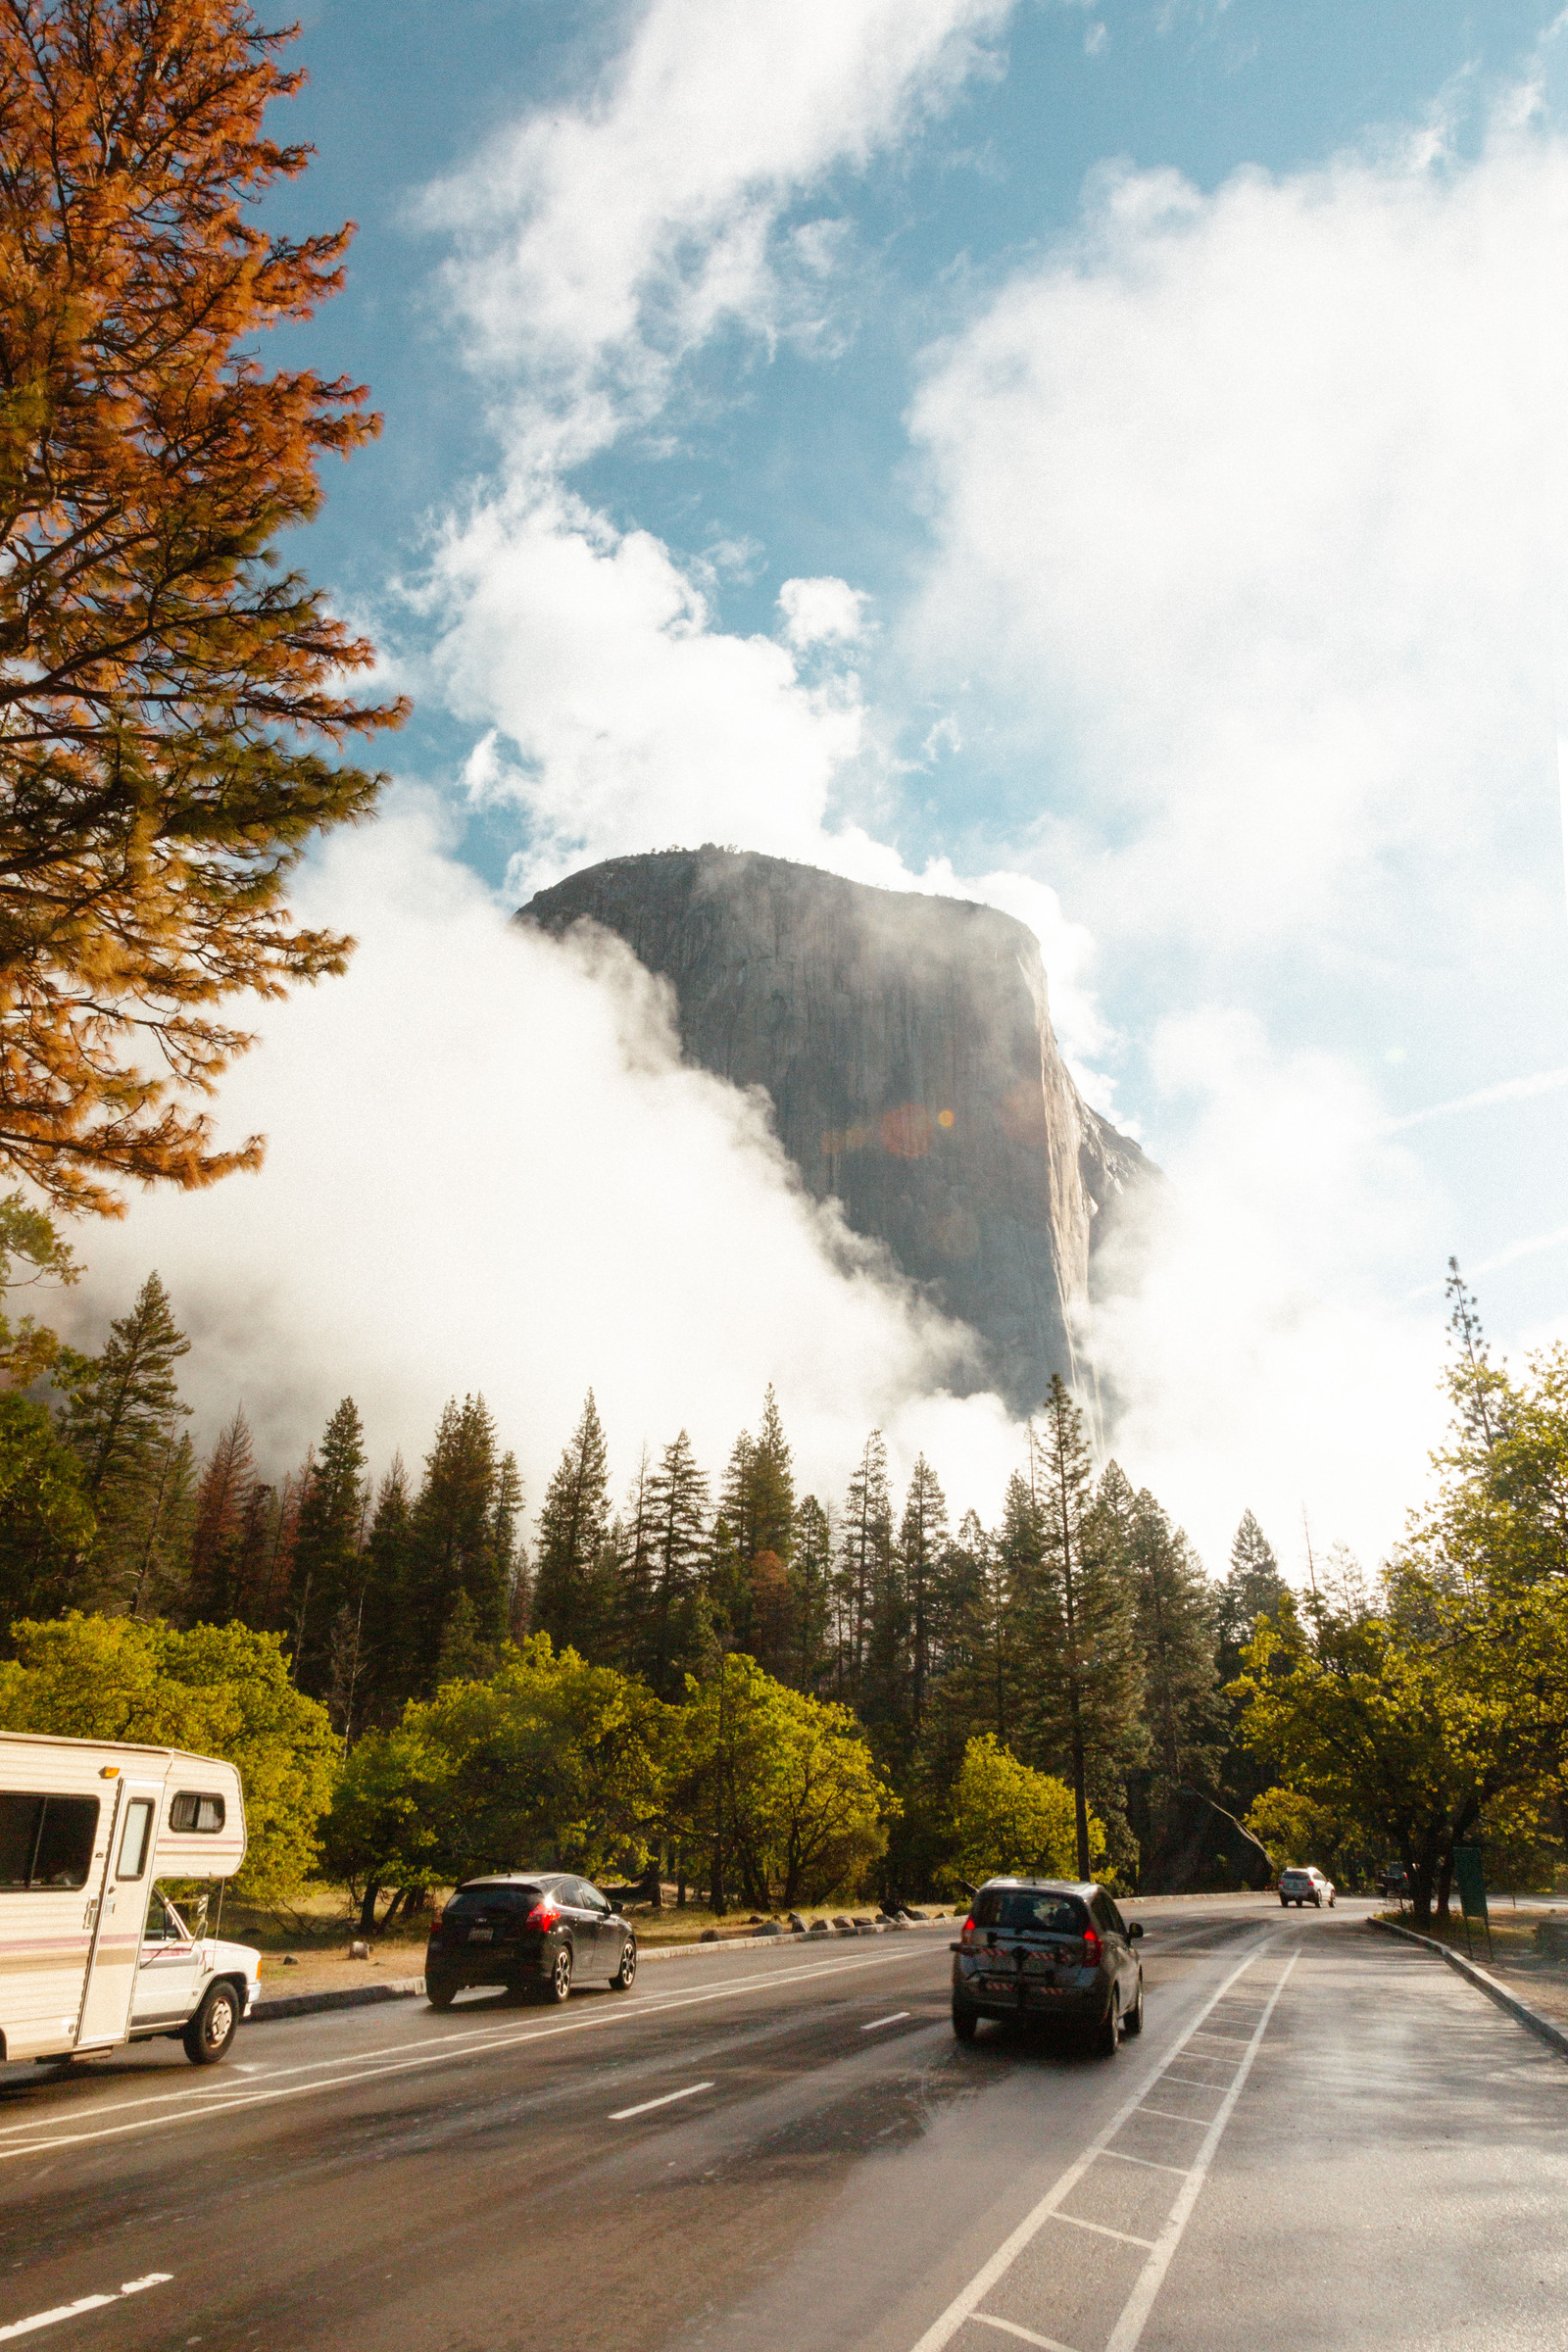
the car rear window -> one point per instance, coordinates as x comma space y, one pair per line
474, 1900
1023, 1907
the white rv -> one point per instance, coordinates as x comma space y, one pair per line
92, 1953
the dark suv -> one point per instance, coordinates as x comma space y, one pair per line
531, 1931
1049, 1948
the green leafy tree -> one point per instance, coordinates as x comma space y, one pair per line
220, 1691
27, 1239
781, 1789
390, 1809
47, 1522
1009, 1820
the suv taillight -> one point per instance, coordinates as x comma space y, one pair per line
966, 1931
543, 1916
1091, 1948
435, 1920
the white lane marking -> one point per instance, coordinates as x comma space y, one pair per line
623, 2113
1168, 2114
443, 2054
1100, 2229
1148, 2162
1048, 2343
897, 2019
1129, 2329
69, 2311
965, 2303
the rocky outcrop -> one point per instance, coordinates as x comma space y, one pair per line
906, 1046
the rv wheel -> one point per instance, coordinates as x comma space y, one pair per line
211, 2031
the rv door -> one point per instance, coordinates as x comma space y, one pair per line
122, 1916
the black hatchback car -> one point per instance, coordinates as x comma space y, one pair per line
1049, 1948
534, 1932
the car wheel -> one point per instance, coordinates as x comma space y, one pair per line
964, 2022
440, 1997
211, 2031
558, 1985
1284, 1903
1132, 2022
1106, 2035
626, 1976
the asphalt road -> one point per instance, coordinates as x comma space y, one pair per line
1322, 2138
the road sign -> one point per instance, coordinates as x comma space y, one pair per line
1469, 1875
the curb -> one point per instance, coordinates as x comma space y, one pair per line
1520, 2011
404, 1989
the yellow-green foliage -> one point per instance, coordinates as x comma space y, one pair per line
1011, 1820
221, 1691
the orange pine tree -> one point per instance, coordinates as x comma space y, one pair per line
169, 696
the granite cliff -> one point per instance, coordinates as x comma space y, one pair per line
906, 1046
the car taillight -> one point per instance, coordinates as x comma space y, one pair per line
966, 1931
543, 1916
1091, 1947
436, 1922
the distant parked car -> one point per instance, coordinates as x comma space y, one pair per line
532, 1931
1049, 1948
1393, 1879
1301, 1887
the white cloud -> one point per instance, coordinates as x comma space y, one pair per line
598, 243
822, 612
488, 1169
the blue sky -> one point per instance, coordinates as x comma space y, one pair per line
1151, 416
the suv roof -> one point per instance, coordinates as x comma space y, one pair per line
1056, 1886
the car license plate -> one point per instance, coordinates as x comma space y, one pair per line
481, 1934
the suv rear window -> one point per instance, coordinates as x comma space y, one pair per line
474, 1900
1021, 1907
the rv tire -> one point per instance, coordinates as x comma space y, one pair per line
211, 2031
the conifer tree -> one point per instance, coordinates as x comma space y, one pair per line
387, 1632
156, 1532
571, 1602
922, 1555
810, 1575
1175, 1613
1083, 1668
223, 1492
678, 1514
1254, 1587
453, 1537
864, 1549
122, 1420
327, 1562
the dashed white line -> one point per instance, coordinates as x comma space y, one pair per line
625, 2114
897, 2019
1048, 2343
72, 2311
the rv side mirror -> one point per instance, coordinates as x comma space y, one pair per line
1135, 1930
199, 1923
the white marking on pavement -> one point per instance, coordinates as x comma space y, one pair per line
1100, 2229
1148, 2162
71, 2311
1168, 2114
1048, 2343
478, 2041
965, 2304
897, 2019
1140, 2303
623, 2114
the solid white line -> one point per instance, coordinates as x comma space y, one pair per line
1048, 2343
1168, 2114
69, 2311
898, 2017
1128, 2331
1150, 2166
623, 2114
477, 2045
965, 2303
1076, 2222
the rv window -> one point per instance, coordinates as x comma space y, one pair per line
45, 1841
190, 1811
135, 1838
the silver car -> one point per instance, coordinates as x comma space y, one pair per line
1307, 1885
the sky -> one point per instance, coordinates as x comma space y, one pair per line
1105, 461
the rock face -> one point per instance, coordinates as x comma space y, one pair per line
907, 1050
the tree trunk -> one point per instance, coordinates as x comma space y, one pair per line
1080, 1804
367, 1903
1444, 1882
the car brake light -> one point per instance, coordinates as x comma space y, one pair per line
967, 1929
543, 1915
1091, 1947
435, 1919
